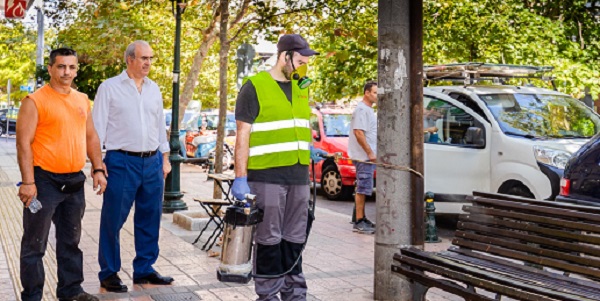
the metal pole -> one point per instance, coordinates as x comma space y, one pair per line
8, 87
39, 61
40, 39
173, 193
397, 110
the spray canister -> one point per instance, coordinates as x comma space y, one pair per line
236, 257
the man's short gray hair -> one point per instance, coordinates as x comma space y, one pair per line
130, 51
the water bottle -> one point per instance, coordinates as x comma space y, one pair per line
35, 205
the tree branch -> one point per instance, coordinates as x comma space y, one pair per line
292, 11
239, 16
582, 43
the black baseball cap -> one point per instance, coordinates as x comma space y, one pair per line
295, 42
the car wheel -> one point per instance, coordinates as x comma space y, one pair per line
520, 190
2, 130
331, 183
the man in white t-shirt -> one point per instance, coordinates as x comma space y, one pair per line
362, 146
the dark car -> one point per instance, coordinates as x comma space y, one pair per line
11, 115
581, 179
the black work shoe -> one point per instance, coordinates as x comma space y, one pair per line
83, 296
154, 278
113, 284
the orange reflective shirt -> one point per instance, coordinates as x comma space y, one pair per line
59, 144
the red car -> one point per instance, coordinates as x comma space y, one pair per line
330, 128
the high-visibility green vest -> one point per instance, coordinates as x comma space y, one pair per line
280, 135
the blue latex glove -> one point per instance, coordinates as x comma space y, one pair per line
240, 188
316, 154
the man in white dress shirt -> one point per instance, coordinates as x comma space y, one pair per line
128, 115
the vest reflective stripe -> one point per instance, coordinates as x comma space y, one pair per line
278, 148
280, 135
281, 124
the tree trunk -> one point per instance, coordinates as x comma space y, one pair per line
223, 57
190, 81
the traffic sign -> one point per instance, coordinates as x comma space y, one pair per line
27, 88
15, 9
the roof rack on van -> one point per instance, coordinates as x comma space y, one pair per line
320, 106
473, 72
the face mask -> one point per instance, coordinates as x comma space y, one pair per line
299, 74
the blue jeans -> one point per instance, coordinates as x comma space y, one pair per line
66, 211
131, 178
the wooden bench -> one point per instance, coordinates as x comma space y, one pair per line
515, 247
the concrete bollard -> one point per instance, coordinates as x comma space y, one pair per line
431, 228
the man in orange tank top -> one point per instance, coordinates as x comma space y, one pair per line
55, 132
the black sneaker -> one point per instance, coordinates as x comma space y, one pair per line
372, 224
363, 227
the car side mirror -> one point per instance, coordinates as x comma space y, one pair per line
474, 136
316, 135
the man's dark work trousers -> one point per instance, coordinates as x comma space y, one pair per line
65, 210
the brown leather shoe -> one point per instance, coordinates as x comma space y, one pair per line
113, 283
153, 278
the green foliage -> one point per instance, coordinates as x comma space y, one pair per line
104, 28
17, 58
514, 32
563, 34
348, 49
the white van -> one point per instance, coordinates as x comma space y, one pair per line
499, 138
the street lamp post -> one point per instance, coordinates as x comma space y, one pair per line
173, 193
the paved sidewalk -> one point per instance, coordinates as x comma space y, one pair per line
337, 262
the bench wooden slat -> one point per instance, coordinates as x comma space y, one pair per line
475, 276
500, 238
581, 286
439, 283
529, 276
540, 209
504, 252
523, 200
585, 262
532, 228
571, 224
563, 245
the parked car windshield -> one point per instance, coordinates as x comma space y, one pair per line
337, 125
186, 117
542, 115
12, 113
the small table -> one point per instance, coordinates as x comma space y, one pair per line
213, 209
227, 178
